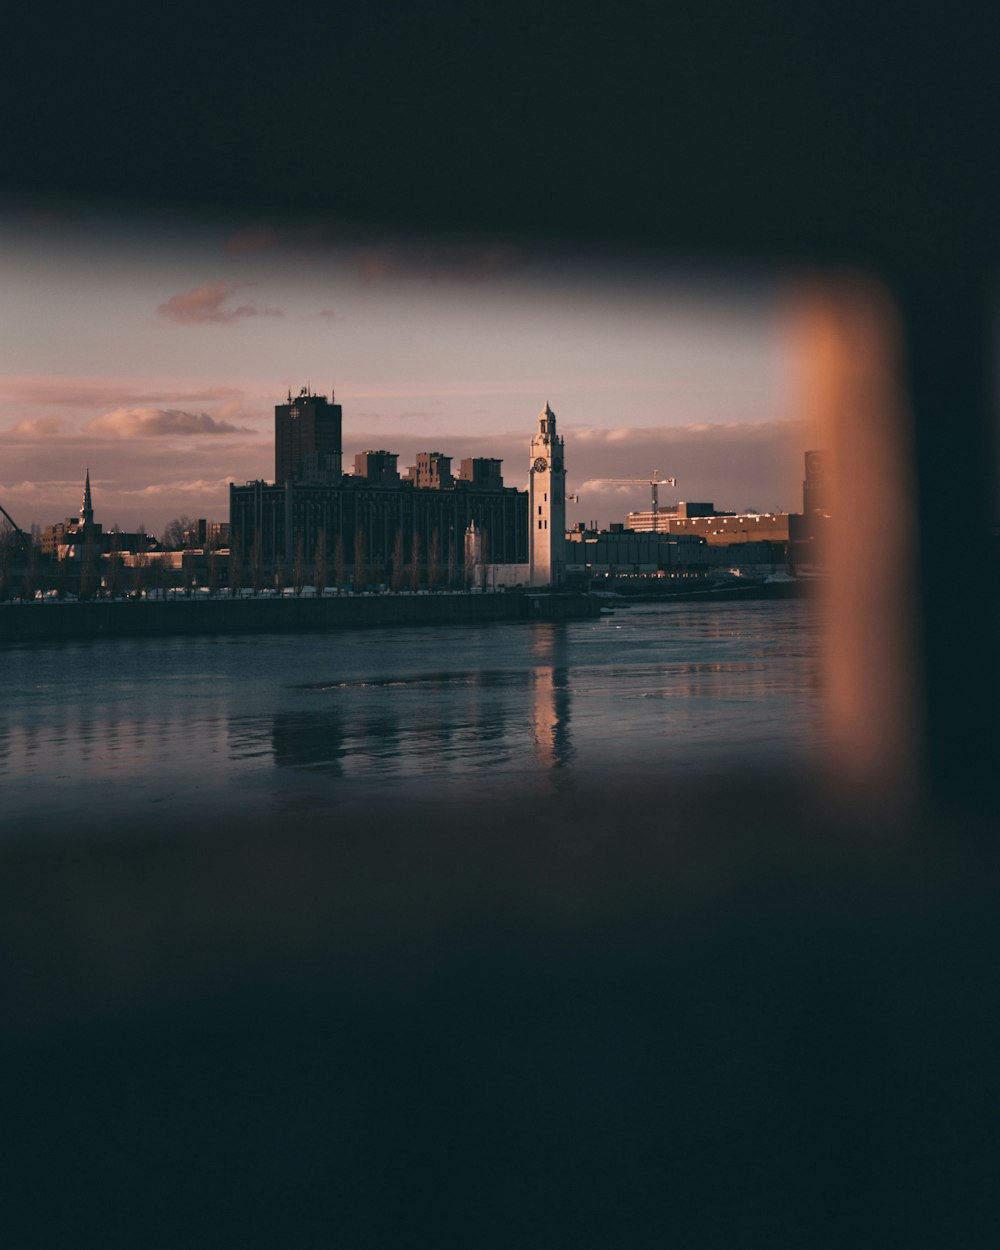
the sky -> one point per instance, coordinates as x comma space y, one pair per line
151, 349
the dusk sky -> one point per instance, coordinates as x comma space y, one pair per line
153, 350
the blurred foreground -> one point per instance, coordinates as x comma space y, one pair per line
756, 1018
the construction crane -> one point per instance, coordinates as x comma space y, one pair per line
655, 482
19, 535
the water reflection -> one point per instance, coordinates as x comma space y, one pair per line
434, 724
550, 698
409, 716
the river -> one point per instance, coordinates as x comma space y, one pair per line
169, 730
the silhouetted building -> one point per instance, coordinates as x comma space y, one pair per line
70, 539
816, 486
307, 438
432, 471
810, 531
206, 534
362, 527
378, 468
482, 472
281, 522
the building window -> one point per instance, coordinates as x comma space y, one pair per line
539, 525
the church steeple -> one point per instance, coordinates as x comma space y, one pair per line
87, 511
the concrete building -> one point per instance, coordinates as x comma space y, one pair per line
810, 532
482, 472
307, 438
723, 528
432, 471
378, 468
371, 521
654, 522
816, 486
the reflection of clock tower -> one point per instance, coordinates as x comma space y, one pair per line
547, 504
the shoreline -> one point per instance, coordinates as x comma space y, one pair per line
142, 618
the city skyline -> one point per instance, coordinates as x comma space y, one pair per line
153, 352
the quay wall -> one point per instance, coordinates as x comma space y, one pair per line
102, 618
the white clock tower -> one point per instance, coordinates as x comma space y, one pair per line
547, 504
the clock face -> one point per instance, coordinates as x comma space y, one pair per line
540, 465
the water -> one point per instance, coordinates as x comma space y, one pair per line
154, 730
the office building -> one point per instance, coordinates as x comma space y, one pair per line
307, 438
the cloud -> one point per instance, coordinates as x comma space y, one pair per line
35, 428
200, 488
204, 303
86, 393
734, 465
728, 432
328, 313
160, 422
32, 490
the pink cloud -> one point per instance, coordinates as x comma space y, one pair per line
36, 428
86, 393
201, 488
159, 422
205, 303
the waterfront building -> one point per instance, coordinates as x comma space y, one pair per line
364, 526
810, 531
307, 438
79, 535
717, 528
655, 521
816, 488
432, 471
482, 472
547, 503
358, 524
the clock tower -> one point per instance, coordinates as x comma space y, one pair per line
547, 504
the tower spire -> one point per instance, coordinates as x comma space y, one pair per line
87, 511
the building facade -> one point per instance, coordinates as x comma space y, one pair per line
547, 503
720, 528
655, 522
307, 438
364, 527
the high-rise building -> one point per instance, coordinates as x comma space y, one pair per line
307, 439
547, 504
816, 486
